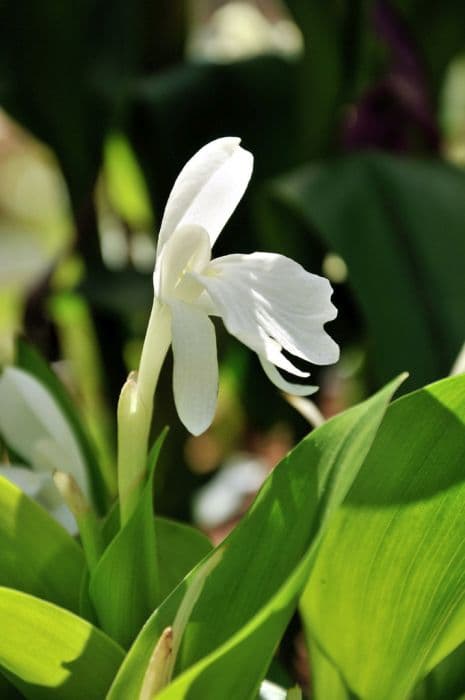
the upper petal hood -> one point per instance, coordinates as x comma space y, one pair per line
208, 189
271, 303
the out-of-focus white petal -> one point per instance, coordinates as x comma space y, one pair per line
63, 515
271, 303
307, 409
30, 483
271, 691
279, 381
222, 498
33, 425
208, 189
195, 372
40, 487
188, 249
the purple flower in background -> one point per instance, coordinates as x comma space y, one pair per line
397, 110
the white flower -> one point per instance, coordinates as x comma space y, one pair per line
267, 301
223, 496
33, 425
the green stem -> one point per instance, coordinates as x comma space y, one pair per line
135, 409
91, 538
89, 527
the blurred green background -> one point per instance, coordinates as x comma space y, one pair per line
355, 113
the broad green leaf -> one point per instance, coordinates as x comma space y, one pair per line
47, 652
29, 359
36, 554
327, 683
385, 601
388, 211
249, 597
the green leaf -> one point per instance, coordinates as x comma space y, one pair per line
249, 598
30, 360
8, 691
125, 585
446, 681
47, 652
326, 679
180, 548
125, 184
160, 668
319, 91
389, 210
36, 554
142, 565
385, 601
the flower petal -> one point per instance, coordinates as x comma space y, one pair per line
208, 189
279, 381
271, 303
188, 249
33, 425
25, 479
195, 372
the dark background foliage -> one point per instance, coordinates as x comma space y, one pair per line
350, 160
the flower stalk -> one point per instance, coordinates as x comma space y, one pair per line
135, 409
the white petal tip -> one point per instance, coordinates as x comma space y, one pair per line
279, 381
195, 424
196, 430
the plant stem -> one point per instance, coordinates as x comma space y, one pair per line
135, 409
88, 525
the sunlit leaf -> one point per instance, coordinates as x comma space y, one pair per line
235, 626
49, 653
385, 601
36, 554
